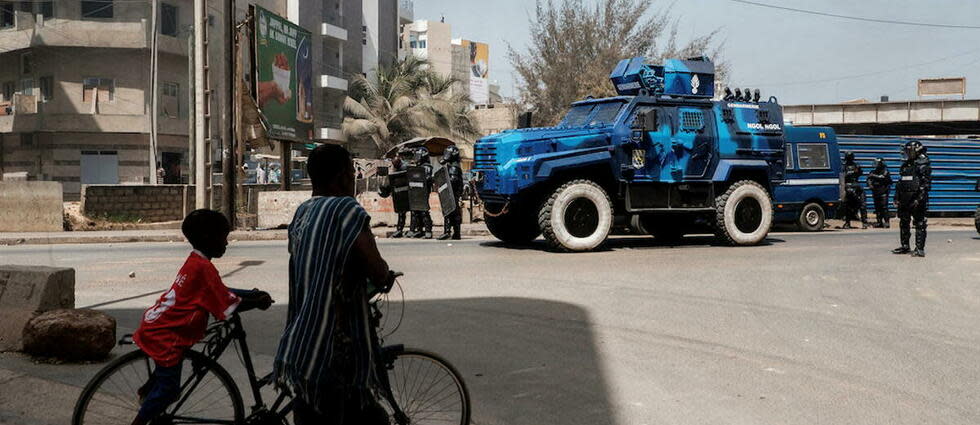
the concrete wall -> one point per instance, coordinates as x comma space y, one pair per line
31, 207
150, 203
276, 209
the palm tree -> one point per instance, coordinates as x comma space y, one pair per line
406, 100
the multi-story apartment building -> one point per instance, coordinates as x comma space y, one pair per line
75, 96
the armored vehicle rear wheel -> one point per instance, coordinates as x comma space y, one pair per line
811, 217
576, 217
743, 214
517, 226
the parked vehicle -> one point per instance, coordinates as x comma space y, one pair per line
813, 187
662, 152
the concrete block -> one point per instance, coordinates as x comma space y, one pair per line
70, 334
31, 206
277, 208
28, 290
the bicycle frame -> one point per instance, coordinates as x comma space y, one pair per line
222, 335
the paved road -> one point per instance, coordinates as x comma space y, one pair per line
808, 329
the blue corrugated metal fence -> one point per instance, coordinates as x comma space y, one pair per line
955, 168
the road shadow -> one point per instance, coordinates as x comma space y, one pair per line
525, 361
628, 242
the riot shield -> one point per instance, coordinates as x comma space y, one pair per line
399, 190
447, 199
418, 196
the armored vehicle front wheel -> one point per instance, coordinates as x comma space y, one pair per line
517, 226
743, 214
576, 217
811, 217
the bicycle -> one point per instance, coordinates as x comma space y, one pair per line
427, 388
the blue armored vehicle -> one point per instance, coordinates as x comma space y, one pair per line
662, 152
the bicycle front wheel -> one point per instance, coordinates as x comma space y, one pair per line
428, 389
208, 393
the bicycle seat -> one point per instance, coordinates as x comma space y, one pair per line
126, 339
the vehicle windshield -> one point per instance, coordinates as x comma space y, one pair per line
592, 114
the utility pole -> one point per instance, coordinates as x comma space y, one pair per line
201, 199
228, 132
191, 115
154, 65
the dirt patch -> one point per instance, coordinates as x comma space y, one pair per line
76, 221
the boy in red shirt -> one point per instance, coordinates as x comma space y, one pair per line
179, 318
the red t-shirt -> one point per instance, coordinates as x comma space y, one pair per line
180, 317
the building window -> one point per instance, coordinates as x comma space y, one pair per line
8, 90
6, 14
27, 87
97, 9
106, 86
168, 20
170, 100
47, 88
26, 64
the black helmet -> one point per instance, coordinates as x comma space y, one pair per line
421, 154
879, 163
451, 154
849, 156
913, 149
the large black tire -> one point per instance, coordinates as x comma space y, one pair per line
576, 217
976, 219
517, 226
445, 401
132, 369
811, 217
743, 214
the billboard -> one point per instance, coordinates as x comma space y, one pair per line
283, 72
479, 56
942, 86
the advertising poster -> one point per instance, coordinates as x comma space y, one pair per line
479, 71
284, 74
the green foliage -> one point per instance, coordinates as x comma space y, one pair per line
406, 100
574, 46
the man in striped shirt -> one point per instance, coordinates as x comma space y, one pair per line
325, 355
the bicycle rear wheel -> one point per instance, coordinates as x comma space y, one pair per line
428, 389
208, 393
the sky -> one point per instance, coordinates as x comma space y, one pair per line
799, 58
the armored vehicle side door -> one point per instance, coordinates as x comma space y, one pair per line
650, 145
693, 141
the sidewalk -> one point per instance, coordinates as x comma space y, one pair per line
174, 235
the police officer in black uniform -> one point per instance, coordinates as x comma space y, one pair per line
912, 198
854, 193
453, 220
421, 219
880, 181
386, 190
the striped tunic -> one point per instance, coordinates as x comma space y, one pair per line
325, 348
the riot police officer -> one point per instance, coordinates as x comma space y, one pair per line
854, 193
421, 218
880, 181
386, 190
453, 221
912, 198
